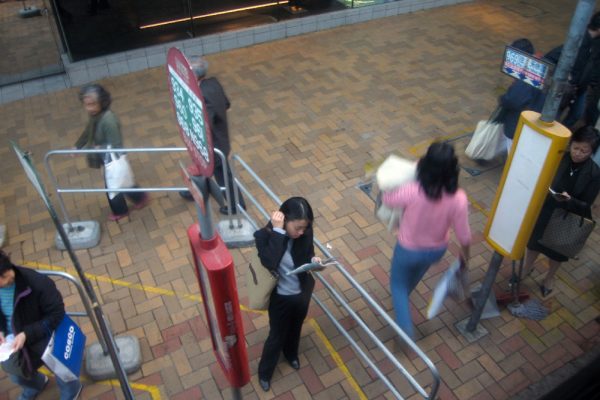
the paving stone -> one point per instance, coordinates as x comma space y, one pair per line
308, 114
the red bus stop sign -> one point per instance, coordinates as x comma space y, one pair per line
190, 111
216, 276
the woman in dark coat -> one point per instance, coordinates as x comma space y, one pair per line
283, 245
577, 183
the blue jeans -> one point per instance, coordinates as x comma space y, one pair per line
408, 268
32, 387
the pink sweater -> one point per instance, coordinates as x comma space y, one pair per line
425, 223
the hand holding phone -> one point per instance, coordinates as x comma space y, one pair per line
564, 196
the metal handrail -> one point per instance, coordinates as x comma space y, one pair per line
342, 302
86, 304
59, 190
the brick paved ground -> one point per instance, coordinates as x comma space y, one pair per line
308, 115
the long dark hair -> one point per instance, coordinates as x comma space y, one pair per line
297, 208
437, 171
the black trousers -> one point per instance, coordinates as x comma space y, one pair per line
220, 178
286, 316
118, 204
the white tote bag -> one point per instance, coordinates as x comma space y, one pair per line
487, 141
392, 173
118, 173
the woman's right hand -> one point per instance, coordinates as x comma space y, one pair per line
277, 219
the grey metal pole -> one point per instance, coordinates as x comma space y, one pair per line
583, 12
33, 176
112, 347
484, 293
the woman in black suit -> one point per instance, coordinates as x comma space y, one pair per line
284, 244
577, 183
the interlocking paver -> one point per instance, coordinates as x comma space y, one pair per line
309, 114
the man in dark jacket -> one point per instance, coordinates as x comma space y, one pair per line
217, 104
519, 97
31, 307
584, 78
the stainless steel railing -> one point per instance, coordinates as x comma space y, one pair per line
59, 190
341, 301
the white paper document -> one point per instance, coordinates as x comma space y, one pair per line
6, 348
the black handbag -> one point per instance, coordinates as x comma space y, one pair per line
566, 232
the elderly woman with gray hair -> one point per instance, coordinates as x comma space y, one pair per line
103, 130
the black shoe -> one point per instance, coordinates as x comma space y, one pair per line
545, 291
295, 364
225, 210
265, 385
186, 195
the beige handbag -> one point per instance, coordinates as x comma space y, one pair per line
260, 283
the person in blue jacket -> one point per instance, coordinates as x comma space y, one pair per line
519, 97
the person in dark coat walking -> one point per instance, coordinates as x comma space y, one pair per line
31, 307
519, 97
283, 245
217, 104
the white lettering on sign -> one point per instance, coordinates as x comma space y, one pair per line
517, 59
190, 114
70, 341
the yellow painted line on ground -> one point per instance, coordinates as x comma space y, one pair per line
118, 282
478, 206
338, 360
418, 149
153, 390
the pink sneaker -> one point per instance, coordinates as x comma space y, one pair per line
116, 217
142, 203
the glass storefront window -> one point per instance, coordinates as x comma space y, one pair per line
98, 27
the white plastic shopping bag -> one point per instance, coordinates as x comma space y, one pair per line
487, 141
392, 173
452, 283
118, 173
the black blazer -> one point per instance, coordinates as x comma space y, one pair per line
271, 247
586, 186
38, 309
217, 104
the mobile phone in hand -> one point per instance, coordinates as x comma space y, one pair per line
557, 195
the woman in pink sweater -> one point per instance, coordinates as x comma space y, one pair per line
432, 205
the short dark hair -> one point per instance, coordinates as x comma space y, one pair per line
523, 44
437, 171
5, 263
296, 208
587, 134
594, 24
101, 94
